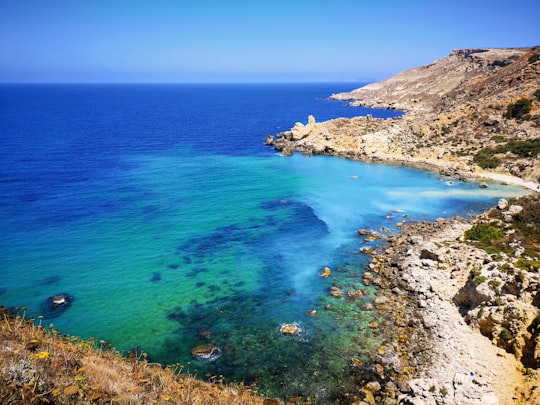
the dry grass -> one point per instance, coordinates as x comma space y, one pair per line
39, 366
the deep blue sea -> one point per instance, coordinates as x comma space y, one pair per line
161, 212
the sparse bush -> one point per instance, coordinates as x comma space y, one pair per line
519, 109
498, 138
505, 335
529, 265
479, 280
537, 94
484, 233
529, 148
480, 312
486, 159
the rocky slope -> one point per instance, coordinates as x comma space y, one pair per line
465, 314
460, 117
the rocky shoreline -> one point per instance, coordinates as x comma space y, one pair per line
465, 323
436, 356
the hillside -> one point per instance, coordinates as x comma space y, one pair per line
47, 367
472, 112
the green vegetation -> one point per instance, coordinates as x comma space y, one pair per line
519, 109
484, 233
537, 94
505, 335
494, 283
528, 265
479, 280
480, 312
507, 268
486, 158
498, 138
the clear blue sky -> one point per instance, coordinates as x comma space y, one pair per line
239, 41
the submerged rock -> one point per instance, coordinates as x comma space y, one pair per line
326, 272
206, 352
290, 329
55, 305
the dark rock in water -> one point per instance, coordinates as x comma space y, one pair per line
173, 266
156, 276
205, 352
55, 305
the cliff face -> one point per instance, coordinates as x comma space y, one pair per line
474, 110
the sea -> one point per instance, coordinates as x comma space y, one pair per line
162, 216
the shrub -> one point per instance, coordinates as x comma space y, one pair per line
537, 94
480, 312
518, 109
479, 280
486, 159
505, 335
484, 233
529, 148
528, 265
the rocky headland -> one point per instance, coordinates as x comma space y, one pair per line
461, 296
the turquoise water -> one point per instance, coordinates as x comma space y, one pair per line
165, 244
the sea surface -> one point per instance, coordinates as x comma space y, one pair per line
159, 210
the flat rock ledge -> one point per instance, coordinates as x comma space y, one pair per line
435, 355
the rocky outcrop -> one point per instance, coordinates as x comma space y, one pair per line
425, 280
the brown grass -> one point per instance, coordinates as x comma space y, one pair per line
39, 366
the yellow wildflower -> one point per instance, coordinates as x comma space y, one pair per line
40, 356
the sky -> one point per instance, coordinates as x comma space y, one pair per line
247, 41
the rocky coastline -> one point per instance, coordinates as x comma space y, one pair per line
465, 318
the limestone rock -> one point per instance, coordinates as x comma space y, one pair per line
290, 329
502, 204
206, 352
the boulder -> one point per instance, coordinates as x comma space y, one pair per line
290, 329
502, 204
326, 272
205, 352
